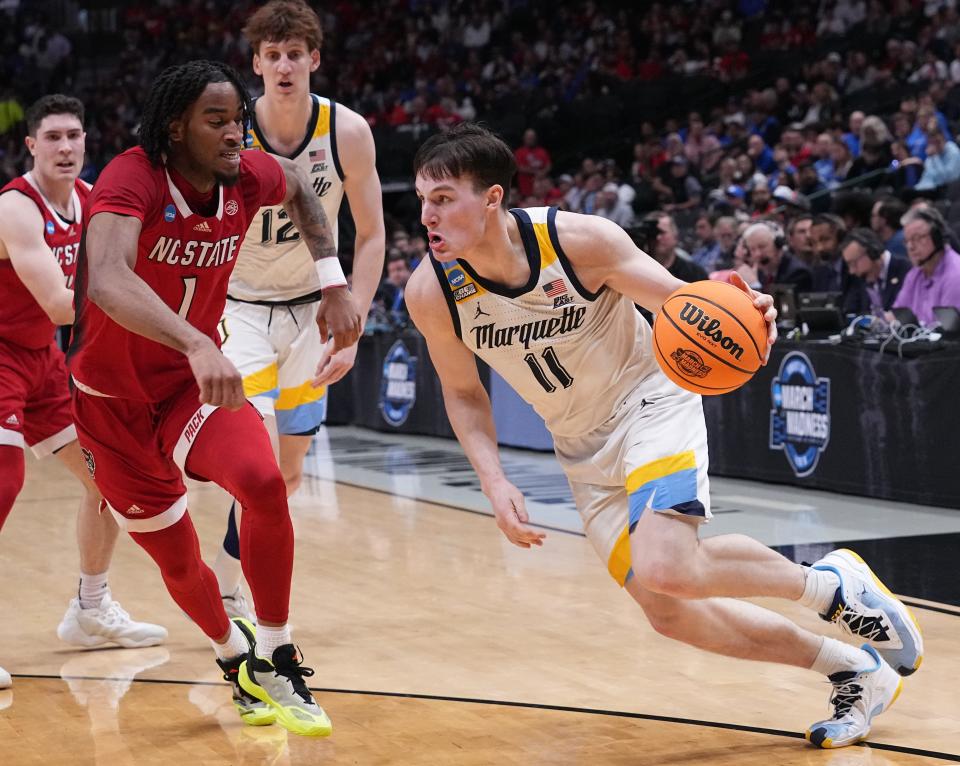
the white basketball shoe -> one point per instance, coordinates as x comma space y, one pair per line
236, 606
864, 607
109, 624
5, 681
857, 697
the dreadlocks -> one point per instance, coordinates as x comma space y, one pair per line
174, 90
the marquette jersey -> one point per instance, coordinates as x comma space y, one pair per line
22, 321
274, 264
185, 257
572, 354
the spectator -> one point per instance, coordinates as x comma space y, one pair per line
611, 207
885, 223
658, 235
942, 165
842, 161
725, 230
11, 111
391, 290
811, 187
769, 261
679, 190
798, 238
761, 155
852, 137
708, 252
830, 274
934, 279
882, 274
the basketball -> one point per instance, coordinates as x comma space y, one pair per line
709, 337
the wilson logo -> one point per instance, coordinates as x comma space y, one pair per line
695, 317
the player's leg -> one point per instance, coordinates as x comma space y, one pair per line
12, 472
245, 332
93, 617
667, 478
144, 491
274, 673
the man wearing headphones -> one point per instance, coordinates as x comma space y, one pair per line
831, 275
934, 279
881, 271
770, 260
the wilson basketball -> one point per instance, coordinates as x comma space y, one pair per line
709, 337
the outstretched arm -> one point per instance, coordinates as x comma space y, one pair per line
112, 284
337, 315
604, 255
21, 239
467, 405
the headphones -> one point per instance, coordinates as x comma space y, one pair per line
936, 223
869, 241
779, 240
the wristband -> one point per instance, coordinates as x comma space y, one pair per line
330, 272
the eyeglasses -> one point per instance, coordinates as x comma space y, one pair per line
916, 239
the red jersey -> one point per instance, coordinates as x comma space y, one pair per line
22, 321
185, 257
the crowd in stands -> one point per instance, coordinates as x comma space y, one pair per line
826, 107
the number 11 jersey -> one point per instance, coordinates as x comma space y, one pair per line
184, 256
573, 355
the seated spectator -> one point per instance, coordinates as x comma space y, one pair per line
761, 155
881, 272
682, 190
725, 231
811, 187
708, 251
942, 165
885, 222
390, 292
770, 260
533, 162
830, 274
934, 279
657, 235
842, 161
798, 238
611, 207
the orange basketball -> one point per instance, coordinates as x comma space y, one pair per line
709, 337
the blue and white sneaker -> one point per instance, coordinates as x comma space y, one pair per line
857, 697
864, 607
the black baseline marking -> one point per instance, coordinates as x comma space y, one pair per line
953, 757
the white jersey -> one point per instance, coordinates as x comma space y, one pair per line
572, 354
274, 264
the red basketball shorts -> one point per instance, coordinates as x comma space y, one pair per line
136, 452
34, 398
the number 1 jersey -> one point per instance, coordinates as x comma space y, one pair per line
572, 354
184, 256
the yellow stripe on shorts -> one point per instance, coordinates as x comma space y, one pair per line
290, 398
261, 382
665, 466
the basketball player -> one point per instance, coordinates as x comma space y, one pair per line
557, 292
268, 331
39, 236
155, 398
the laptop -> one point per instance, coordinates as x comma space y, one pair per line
820, 312
948, 317
905, 316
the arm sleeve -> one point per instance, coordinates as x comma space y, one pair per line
126, 186
264, 180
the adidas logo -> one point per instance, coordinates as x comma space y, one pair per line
134, 509
203, 226
12, 421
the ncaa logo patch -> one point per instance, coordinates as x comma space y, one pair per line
456, 277
89, 461
800, 416
231, 208
398, 387
49, 227
169, 213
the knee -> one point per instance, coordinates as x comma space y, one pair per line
292, 479
263, 489
666, 617
670, 577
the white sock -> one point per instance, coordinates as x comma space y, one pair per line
820, 587
228, 572
92, 590
836, 656
268, 639
235, 645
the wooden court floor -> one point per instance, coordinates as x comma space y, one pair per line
434, 642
